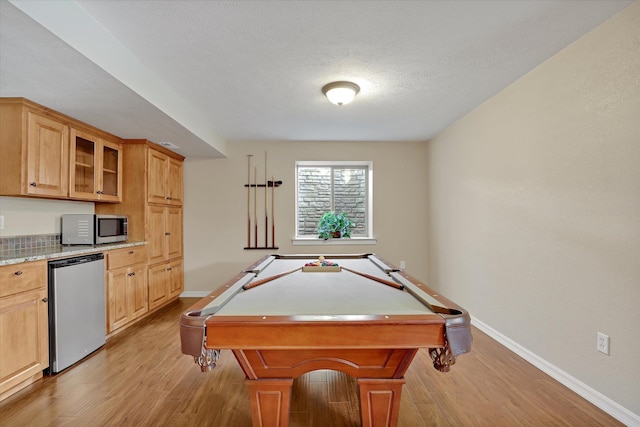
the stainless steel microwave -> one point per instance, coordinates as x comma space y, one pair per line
88, 229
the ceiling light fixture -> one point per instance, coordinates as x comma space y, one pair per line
340, 93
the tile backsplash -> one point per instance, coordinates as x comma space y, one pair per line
15, 245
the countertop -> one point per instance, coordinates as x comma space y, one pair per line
62, 251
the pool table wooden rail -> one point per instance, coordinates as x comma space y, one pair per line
289, 332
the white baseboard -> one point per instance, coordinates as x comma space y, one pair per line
612, 408
194, 294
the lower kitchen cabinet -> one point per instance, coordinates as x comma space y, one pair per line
176, 280
166, 282
127, 295
127, 290
24, 335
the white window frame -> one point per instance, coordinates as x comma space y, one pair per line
368, 238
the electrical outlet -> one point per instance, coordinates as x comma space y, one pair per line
603, 343
1, 222
402, 265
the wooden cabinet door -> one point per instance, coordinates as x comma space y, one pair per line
84, 169
165, 233
175, 189
165, 179
174, 230
176, 278
110, 172
24, 337
137, 298
156, 238
117, 298
157, 178
47, 161
158, 285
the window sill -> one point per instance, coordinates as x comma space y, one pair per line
332, 242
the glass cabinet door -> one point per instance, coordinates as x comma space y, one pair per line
96, 168
110, 171
84, 168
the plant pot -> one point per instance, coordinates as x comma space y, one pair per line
335, 234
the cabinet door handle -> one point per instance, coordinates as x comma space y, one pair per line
33, 184
132, 274
167, 234
168, 198
45, 299
130, 252
100, 192
169, 269
18, 273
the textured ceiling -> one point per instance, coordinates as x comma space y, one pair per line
202, 74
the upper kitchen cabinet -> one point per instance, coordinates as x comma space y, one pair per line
165, 185
95, 168
46, 154
34, 151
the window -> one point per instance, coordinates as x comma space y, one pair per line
334, 186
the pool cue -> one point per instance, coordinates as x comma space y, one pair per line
273, 213
268, 279
377, 279
255, 202
266, 215
249, 200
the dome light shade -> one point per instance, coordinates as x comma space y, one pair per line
340, 93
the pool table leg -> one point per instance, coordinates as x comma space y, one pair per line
380, 401
270, 401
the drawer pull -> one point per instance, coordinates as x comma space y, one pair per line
169, 269
130, 252
33, 184
18, 273
45, 299
132, 274
167, 234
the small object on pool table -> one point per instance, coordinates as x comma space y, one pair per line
321, 265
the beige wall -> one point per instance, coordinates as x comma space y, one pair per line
534, 210
215, 214
24, 215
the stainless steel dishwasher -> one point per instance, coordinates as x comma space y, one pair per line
77, 324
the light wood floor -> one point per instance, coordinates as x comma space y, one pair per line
140, 378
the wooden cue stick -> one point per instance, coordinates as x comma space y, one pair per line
249, 200
273, 213
268, 279
255, 201
266, 215
377, 279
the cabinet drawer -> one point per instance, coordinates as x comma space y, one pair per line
22, 277
126, 256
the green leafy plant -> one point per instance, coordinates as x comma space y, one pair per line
334, 225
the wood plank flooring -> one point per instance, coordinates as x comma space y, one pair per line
140, 378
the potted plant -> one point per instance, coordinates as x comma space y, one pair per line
333, 225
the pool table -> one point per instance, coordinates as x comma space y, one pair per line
287, 315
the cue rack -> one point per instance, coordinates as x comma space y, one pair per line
258, 227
